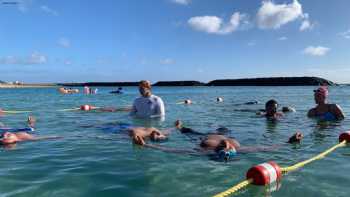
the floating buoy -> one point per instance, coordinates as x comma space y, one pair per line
265, 174
219, 99
345, 136
188, 101
85, 107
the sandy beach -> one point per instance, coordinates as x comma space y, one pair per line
27, 85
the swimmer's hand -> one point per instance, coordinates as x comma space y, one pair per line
296, 138
138, 140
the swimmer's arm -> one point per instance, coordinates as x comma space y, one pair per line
338, 112
311, 112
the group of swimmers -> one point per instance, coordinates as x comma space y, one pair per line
216, 142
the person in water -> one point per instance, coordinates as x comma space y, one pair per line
140, 134
147, 105
324, 110
221, 144
216, 145
8, 138
271, 110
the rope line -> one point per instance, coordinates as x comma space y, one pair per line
284, 170
317, 157
235, 188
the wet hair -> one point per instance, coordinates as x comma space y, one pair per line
271, 102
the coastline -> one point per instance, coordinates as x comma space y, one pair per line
8, 86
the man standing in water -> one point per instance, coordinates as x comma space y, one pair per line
148, 105
323, 110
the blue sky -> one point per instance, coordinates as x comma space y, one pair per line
78, 41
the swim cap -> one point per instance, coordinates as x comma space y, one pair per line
323, 90
227, 155
145, 84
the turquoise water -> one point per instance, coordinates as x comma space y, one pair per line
91, 162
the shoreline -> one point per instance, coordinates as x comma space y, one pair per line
10, 86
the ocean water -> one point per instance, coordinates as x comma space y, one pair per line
90, 161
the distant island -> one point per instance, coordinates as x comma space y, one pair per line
268, 81
272, 81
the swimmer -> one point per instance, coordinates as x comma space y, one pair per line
223, 147
147, 105
271, 112
140, 134
219, 99
323, 110
8, 138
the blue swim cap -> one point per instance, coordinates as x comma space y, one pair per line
227, 155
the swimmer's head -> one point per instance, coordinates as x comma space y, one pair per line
8, 138
296, 138
271, 107
219, 99
226, 155
145, 88
85, 107
320, 94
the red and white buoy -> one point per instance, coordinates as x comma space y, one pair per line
85, 107
345, 136
265, 173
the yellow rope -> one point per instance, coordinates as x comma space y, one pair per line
234, 188
317, 157
284, 170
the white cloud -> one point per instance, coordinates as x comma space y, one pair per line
215, 25
306, 24
167, 61
273, 16
64, 42
282, 38
48, 10
345, 34
182, 2
34, 58
316, 51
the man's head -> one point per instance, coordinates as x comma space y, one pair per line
320, 94
296, 138
8, 138
145, 88
271, 107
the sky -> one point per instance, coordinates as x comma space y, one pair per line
131, 40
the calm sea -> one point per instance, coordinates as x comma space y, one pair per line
91, 161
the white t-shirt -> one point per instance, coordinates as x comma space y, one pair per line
148, 107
